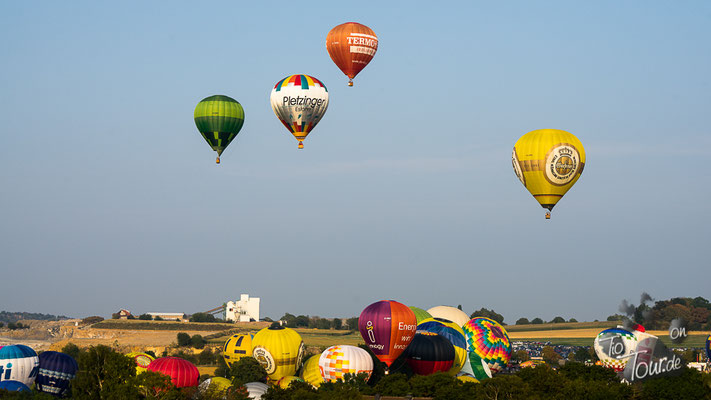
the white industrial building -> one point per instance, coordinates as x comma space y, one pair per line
243, 310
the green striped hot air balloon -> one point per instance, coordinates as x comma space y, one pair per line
219, 119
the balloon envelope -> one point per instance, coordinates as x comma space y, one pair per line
279, 350
708, 348
311, 372
142, 361
489, 341
351, 47
236, 347
256, 390
14, 386
287, 380
387, 327
420, 314
219, 119
453, 314
18, 363
452, 332
299, 101
181, 372
337, 361
56, 370
612, 346
429, 353
214, 387
548, 162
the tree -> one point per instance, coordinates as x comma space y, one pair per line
557, 320
72, 350
581, 354
197, 341
522, 321
337, 324
145, 317
323, 323
536, 321
491, 314
302, 321
352, 323
615, 317
572, 320
202, 317
520, 356
183, 339
247, 369
104, 374
288, 318
157, 318
550, 356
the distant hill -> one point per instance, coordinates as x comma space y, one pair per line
12, 317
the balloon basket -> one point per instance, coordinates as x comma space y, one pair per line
217, 161
548, 215
301, 144
350, 83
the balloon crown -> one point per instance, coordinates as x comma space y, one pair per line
566, 151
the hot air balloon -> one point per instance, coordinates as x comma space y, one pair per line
548, 162
489, 341
612, 347
212, 388
256, 390
18, 363
219, 119
287, 380
453, 314
337, 361
708, 348
311, 372
236, 347
13, 386
280, 350
387, 328
452, 332
181, 372
299, 101
420, 314
429, 353
142, 361
55, 371
351, 47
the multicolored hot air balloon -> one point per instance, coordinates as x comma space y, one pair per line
387, 327
279, 350
548, 162
181, 372
612, 347
339, 360
708, 348
453, 314
429, 353
420, 314
18, 363
142, 361
219, 119
55, 371
452, 332
351, 47
488, 341
311, 372
236, 347
299, 101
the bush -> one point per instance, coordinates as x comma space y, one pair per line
72, 350
522, 321
202, 317
157, 318
92, 320
536, 321
145, 317
197, 341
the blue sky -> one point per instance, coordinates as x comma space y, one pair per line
405, 191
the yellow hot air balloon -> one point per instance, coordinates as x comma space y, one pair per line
142, 361
548, 162
280, 350
287, 380
236, 347
311, 373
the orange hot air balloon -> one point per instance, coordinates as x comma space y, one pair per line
387, 327
351, 46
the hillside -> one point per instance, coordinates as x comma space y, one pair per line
12, 317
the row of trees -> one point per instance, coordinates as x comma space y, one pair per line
556, 320
305, 321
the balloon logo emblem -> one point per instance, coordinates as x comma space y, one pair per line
562, 162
